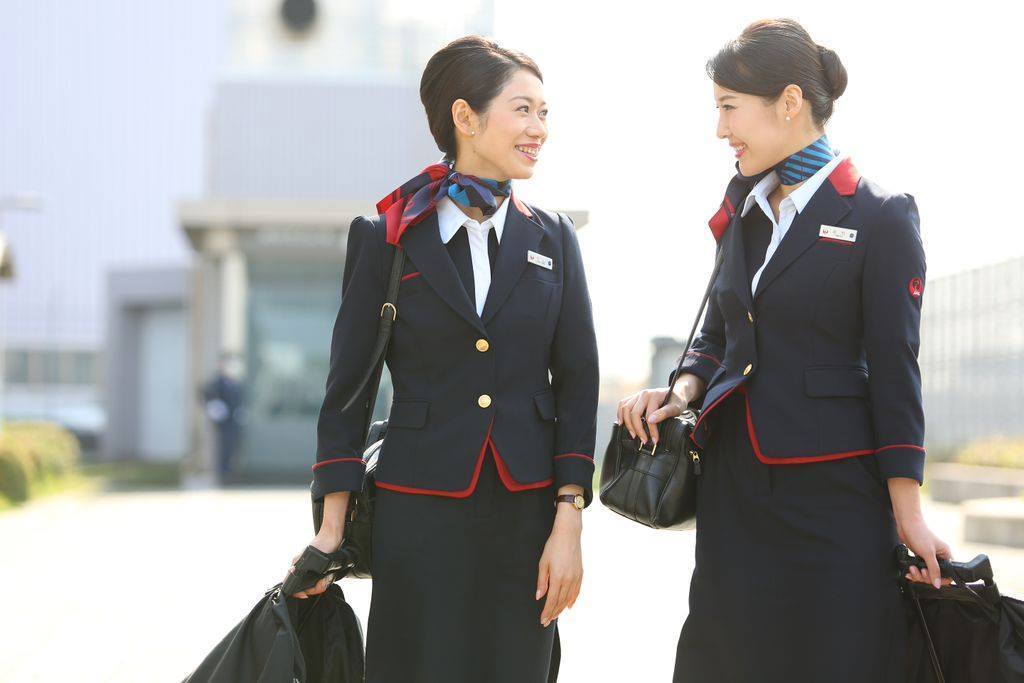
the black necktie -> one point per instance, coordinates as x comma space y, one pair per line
462, 257
757, 233
492, 250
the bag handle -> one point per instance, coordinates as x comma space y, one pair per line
388, 316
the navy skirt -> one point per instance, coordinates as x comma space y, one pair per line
795, 578
454, 583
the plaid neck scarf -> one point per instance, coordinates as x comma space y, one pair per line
416, 198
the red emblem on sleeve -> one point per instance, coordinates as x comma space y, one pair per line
915, 287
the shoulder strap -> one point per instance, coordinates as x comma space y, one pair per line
388, 315
703, 304
735, 194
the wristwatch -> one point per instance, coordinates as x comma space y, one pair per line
577, 500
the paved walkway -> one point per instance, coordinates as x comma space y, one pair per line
137, 587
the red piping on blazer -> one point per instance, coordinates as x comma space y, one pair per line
704, 355
575, 455
523, 209
333, 460
711, 407
844, 178
720, 221
506, 478
798, 460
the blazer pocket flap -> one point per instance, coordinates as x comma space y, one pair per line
408, 414
545, 403
836, 382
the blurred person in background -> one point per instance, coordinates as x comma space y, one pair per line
807, 376
480, 490
222, 402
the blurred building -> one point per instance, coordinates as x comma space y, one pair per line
972, 354
102, 118
209, 160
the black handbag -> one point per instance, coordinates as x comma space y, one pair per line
657, 485
358, 536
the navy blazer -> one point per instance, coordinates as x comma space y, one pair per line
825, 351
519, 381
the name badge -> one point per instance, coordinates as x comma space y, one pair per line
832, 232
539, 260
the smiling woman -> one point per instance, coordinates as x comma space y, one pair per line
489, 101
811, 424
488, 459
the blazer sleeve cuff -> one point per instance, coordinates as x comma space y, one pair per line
902, 460
337, 474
575, 468
701, 364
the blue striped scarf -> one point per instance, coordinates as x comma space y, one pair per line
798, 167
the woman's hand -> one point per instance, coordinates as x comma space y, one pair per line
328, 539
560, 573
914, 532
642, 406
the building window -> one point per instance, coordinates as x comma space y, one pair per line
49, 367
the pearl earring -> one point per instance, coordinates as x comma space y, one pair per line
472, 132
787, 118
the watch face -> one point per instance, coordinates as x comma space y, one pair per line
580, 501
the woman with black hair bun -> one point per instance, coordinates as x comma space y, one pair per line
489, 455
807, 377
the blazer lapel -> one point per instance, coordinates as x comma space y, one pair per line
735, 262
727, 225
522, 233
827, 206
422, 244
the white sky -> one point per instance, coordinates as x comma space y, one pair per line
932, 108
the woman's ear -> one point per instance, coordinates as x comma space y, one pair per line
791, 102
464, 117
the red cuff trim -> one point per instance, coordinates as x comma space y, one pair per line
704, 355
334, 460
900, 445
410, 276
575, 455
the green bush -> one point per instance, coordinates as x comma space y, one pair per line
994, 452
34, 452
15, 472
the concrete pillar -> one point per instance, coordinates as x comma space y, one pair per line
234, 295
219, 305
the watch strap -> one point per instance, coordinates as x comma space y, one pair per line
568, 498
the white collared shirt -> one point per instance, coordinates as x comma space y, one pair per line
789, 207
450, 218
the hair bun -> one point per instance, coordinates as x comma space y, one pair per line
835, 72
